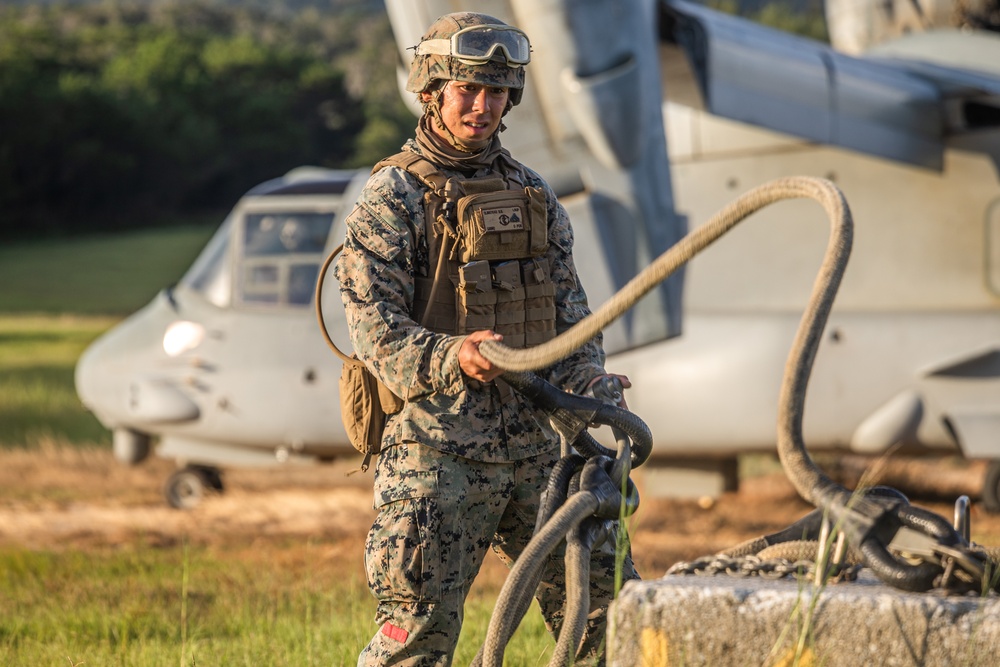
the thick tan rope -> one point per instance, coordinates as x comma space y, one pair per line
546, 354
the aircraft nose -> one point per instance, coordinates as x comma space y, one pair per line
92, 386
123, 377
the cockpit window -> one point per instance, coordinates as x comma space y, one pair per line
280, 258
211, 272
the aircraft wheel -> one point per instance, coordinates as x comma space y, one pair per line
214, 479
186, 488
991, 488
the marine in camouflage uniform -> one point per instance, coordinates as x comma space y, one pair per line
463, 465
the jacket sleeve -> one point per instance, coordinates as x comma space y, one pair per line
575, 371
375, 271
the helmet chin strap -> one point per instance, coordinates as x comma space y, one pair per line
433, 109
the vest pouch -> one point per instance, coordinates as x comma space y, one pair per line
440, 315
510, 302
391, 404
476, 302
494, 226
361, 410
539, 239
539, 302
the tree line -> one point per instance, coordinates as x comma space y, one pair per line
123, 115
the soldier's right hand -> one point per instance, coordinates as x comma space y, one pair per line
474, 364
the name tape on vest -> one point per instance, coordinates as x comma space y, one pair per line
503, 219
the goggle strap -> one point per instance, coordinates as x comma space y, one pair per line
436, 47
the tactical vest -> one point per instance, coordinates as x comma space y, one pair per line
486, 242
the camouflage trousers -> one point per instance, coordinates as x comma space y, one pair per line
438, 516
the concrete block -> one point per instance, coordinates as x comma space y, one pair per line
724, 621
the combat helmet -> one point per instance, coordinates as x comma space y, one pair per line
477, 48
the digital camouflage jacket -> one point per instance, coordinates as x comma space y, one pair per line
383, 251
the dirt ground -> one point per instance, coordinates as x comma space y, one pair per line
64, 498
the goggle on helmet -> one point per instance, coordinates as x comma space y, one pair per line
478, 44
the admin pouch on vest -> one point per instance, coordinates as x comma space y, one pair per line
365, 403
487, 237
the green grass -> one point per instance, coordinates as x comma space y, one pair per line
201, 606
100, 274
157, 606
38, 398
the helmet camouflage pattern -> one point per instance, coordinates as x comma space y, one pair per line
428, 67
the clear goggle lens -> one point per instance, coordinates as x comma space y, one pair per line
478, 44
482, 42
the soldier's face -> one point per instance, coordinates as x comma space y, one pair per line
471, 111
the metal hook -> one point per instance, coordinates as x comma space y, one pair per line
963, 522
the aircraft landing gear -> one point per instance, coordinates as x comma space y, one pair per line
186, 488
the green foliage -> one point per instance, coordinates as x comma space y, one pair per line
803, 18
807, 24
116, 115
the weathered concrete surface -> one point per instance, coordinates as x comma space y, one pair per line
722, 621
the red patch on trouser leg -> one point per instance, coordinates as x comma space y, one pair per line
392, 632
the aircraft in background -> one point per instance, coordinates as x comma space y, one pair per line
641, 138
228, 367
